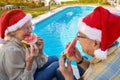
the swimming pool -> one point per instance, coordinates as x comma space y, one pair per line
60, 28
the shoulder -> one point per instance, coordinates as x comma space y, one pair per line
12, 54
10, 49
9, 46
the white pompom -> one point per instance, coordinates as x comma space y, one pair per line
99, 54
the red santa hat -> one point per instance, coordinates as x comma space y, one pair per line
103, 26
12, 20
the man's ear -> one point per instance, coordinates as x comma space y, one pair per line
96, 44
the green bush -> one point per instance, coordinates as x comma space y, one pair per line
2, 3
36, 11
69, 2
93, 1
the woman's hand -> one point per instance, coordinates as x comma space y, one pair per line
30, 56
40, 44
66, 71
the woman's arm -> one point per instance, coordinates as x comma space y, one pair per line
41, 58
17, 65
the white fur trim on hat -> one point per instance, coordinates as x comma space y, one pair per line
20, 23
92, 33
99, 54
2, 40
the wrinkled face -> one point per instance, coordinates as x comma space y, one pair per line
24, 31
88, 45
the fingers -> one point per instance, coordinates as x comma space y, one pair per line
61, 61
40, 43
76, 51
39, 38
27, 52
67, 45
69, 64
33, 47
34, 50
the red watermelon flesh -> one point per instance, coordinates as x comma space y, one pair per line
70, 48
31, 39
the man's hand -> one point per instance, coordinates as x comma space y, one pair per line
76, 55
66, 70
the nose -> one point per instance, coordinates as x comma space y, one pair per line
30, 29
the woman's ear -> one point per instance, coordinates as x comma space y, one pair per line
96, 44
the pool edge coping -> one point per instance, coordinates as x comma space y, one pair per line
50, 13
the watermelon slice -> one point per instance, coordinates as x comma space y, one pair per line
70, 48
32, 39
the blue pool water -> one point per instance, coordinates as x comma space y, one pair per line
60, 28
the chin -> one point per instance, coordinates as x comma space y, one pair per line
84, 51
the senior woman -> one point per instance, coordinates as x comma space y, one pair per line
16, 61
98, 34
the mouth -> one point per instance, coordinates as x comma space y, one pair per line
27, 35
